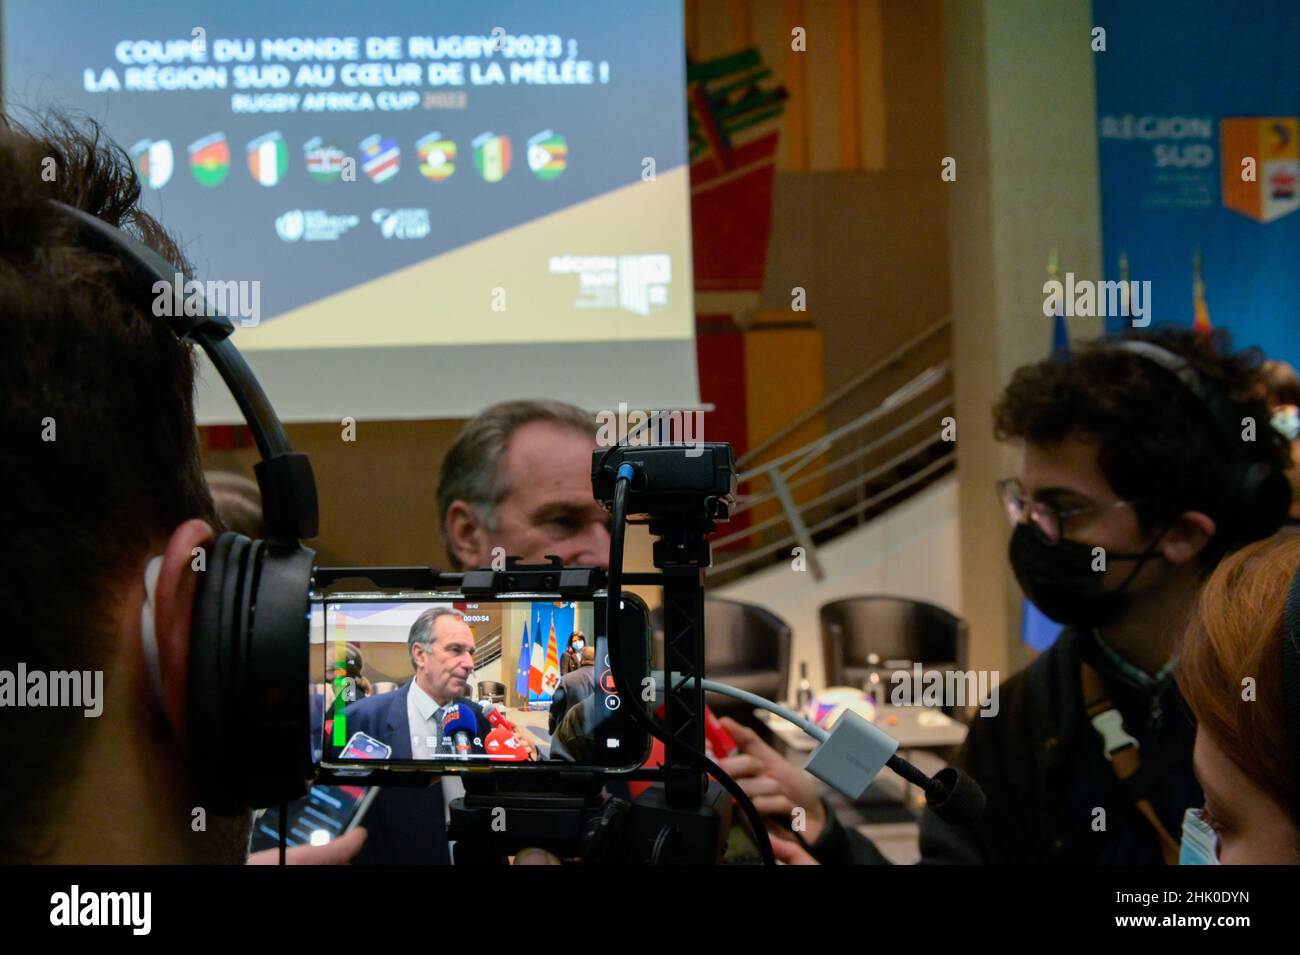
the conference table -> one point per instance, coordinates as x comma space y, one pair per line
915, 727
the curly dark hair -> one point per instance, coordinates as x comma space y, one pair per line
1157, 441
98, 445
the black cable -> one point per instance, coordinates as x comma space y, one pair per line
622, 442
910, 773
613, 618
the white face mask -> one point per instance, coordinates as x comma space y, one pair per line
1200, 845
148, 633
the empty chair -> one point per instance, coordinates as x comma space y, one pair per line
492, 691
745, 645
895, 629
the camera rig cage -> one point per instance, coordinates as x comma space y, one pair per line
681, 496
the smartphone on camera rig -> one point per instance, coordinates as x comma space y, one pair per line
483, 696
567, 793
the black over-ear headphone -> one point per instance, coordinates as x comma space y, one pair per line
248, 695
1256, 495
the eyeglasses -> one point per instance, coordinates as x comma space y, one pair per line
1046, 518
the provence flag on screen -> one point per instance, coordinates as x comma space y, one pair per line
551, 672
525, 658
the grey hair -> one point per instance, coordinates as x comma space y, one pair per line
473, 470
422, 629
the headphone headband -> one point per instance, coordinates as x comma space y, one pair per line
1175, 364
1256, 495
289, 504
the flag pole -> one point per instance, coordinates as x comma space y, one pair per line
1200, 311
1060, 335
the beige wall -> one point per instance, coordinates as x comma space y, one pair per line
376, 493
1020, 121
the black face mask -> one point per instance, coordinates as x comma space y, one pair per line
1059, 579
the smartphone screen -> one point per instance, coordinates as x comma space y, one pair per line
361, 746
321, 816
466, 683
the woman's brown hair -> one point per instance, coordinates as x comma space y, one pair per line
1237, 636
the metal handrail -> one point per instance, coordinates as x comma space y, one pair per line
750, 556
898, 396
490, 648
795, 423
927, 412
780, 471
834, 492
749, 501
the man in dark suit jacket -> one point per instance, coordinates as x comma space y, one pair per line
408, 826
386, 717
575, 687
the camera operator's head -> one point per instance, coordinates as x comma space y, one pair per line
441, 647
1118, 494
99, 451
1230, 672
519, 478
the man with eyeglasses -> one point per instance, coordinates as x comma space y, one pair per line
1118, 516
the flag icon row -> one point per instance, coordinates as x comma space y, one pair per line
378, 157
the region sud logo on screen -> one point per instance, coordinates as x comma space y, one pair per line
1274, 143
635, 283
